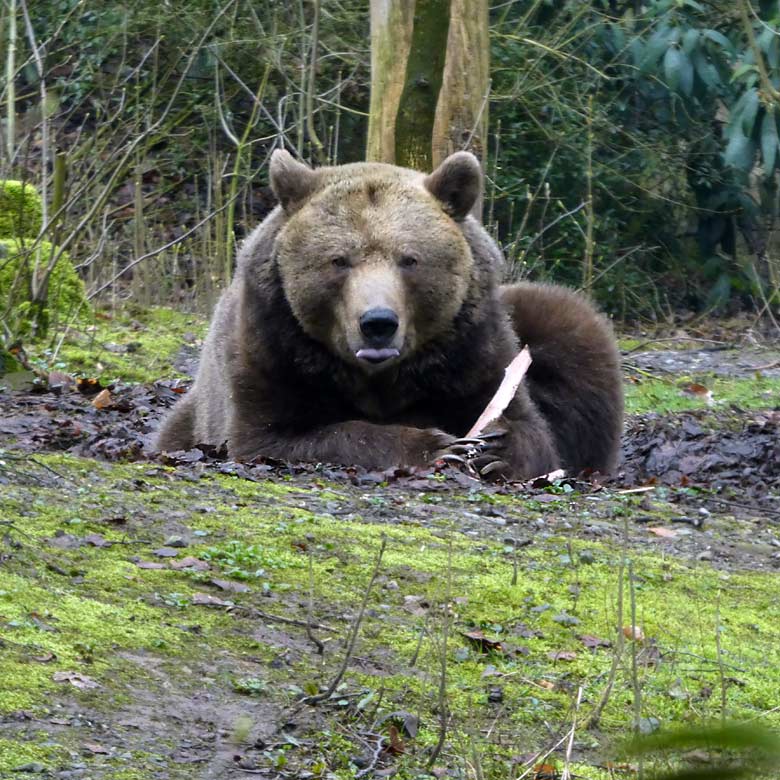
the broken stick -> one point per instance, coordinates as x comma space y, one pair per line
513, 375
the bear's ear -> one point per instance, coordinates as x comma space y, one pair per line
457, 183
291, 181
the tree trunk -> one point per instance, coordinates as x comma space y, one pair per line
462, 110
429, 81
424, 75
391, 38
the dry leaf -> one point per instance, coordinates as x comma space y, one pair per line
634, 632
562, 655
150, 565
699, 391
102, 400
482, 643
76, 679
396, 745
190, 562
593, 642
206, 600
666, 533
233, 587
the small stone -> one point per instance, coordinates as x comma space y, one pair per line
496, 695
587, 556
175, 541
705, 555
166, 552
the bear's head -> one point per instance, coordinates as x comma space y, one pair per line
373, 258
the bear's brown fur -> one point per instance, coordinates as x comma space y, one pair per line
365, 325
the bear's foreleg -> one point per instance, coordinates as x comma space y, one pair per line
351, 443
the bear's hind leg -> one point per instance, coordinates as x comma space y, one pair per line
574, 379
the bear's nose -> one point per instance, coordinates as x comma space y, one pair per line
379, 326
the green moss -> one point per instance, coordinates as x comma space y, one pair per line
66, 298
21, 210
15, 753
664, 396
112, 608
129, 346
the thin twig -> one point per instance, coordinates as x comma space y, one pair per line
310, 610
443, 709
334, 683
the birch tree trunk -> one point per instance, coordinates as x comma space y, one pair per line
429, 81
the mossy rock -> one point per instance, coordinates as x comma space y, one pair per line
66, 298
21, 210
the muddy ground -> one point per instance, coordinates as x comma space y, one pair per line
193, 617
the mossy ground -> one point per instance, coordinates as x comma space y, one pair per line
67, 605
122, 671
128, 346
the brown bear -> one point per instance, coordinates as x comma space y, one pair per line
365, 325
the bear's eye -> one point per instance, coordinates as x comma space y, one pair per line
408, 261
340, 261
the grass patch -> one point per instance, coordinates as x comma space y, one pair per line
130, 346
665, 396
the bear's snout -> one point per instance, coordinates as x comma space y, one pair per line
379, 326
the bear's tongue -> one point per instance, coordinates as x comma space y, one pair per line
376, 355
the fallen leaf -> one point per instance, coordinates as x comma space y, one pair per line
699, 391
592, 642
76, 679
562, 655
190, 563
546, 772
207, 600
102, 400
665, 533
634, 633
232, 587
481, 642
150, 565
396, 745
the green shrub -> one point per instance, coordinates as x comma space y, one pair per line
21, 210
66, 294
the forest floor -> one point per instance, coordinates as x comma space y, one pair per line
192, 617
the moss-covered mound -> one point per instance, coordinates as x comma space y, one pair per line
21, 217
21, 210
66, 296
